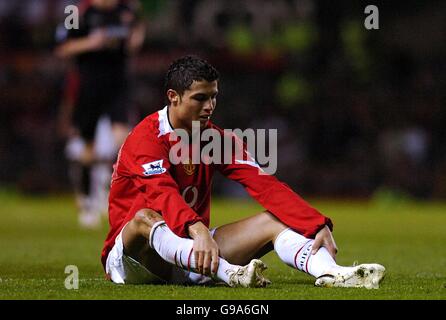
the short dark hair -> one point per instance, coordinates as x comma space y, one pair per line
183, 71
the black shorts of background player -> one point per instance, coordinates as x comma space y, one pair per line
109, 31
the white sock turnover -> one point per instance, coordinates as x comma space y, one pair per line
295, 250
179, 251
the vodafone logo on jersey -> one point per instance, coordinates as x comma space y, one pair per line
155, 167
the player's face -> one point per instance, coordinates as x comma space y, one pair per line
196, 104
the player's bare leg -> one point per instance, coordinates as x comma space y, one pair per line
253, 237
135, 237
148, 240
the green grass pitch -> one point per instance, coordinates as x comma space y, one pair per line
39, 237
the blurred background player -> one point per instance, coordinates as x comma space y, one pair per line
93, 113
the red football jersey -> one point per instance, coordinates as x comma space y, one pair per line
144, 177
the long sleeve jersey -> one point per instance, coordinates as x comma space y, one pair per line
144, 177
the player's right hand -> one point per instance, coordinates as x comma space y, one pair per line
324, 238
98, 39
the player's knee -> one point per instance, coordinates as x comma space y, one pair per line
145, 218
268, 217
270, 223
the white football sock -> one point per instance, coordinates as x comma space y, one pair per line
295, 250
179, 251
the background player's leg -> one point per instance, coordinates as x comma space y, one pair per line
104, 154
120, 132
119, 110
79, 153
85, 118
88, 217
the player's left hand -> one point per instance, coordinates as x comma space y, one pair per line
205, 249
324, 238
206, 254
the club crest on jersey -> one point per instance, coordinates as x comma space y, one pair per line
155, 167
189, 168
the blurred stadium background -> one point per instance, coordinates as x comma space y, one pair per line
360, 113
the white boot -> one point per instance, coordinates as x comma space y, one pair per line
363, 276
249, 276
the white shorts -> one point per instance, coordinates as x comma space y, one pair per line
123, 269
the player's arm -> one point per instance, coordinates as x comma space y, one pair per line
137, 33
136, 25
147, 163
161, 194
285, 204
72, 42
136, 39
92, 42
274, 195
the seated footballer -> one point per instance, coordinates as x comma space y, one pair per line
159, 211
